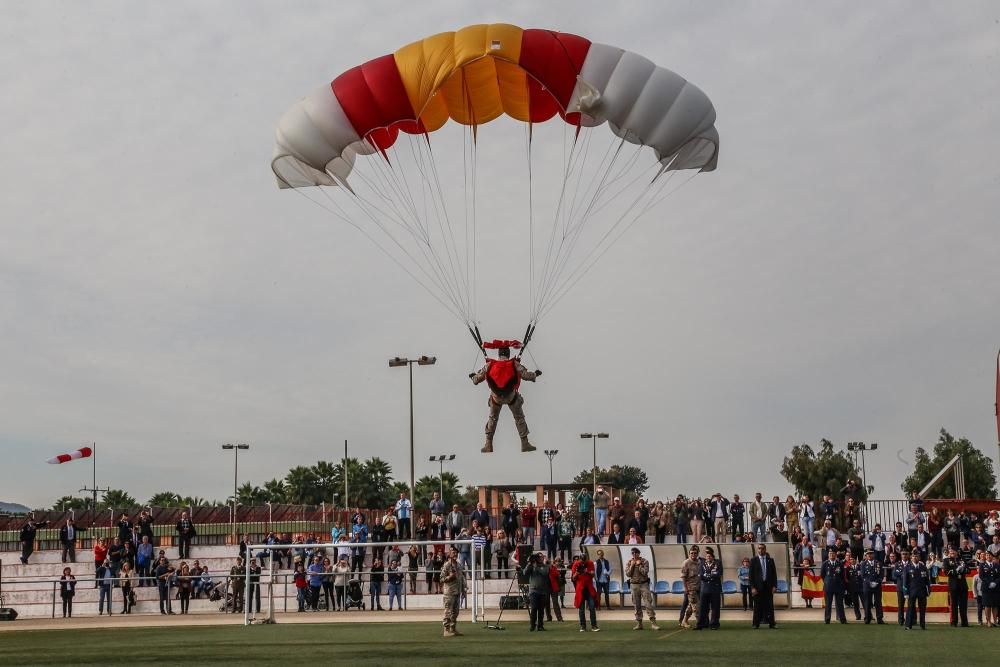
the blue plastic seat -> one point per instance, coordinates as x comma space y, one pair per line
729, 587
614, 587
677, 588
661, 588
782, 586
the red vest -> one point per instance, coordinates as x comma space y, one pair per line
502, 376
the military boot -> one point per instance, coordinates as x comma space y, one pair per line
488, 447
526, 446
637, 626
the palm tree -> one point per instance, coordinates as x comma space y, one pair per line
67, 503
274, 491
248, 494
357, 483
300, 485
197, 501
378, 476
117, 499
166, 499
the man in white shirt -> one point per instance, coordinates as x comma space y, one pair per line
403, 507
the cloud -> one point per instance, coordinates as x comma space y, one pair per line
160, 296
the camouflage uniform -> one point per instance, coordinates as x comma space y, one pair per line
637, 572
453, 586
692, 580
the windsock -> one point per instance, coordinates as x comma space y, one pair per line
81, 453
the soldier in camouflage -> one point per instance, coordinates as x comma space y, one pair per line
454, 586
637, 572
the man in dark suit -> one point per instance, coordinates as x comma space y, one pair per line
616, 536
833, 587
27, 538
68, 536
185, 531
763, 584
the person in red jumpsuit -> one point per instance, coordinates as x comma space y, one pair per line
504, 375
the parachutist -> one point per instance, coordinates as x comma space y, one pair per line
504, 375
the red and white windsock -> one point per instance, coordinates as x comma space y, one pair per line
81, 453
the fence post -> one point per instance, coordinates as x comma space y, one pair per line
53, 599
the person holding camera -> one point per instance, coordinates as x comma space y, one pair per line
537, 574
637, 571
586, 596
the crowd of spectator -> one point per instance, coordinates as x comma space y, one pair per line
392, 567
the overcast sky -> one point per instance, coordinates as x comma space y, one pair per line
836, 277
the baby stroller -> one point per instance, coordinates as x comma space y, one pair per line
355, 598
220, 593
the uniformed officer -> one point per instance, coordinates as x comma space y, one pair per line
855, 589
872, 576
958, 588
833, 575
918, 587
454, 587
897, 567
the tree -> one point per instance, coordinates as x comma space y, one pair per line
378, 477
630, 482
300, 483
821, 472
980, 481
166, 499
198, 501
67, 503
275, 491
357, 485
116, 499
428, 484
248, 494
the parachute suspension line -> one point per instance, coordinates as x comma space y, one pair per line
531, 220
551, 277
337, 211
557, 282
654, 200
423, 243
552, 234
440, 210
592, 207
451, 231
475, 231
366, 207
445, 267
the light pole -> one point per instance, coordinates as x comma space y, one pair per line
862, 447
439, 459
551, 453
236, 467
594, 437
396, 362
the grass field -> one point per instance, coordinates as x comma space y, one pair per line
562, 644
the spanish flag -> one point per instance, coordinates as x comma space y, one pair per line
937, 601
812, 586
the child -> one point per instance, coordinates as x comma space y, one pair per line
744, 576
300, 585
807, 568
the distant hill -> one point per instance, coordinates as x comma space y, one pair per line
13, 508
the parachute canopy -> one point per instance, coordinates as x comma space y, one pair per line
473, 76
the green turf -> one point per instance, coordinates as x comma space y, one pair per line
562, 643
